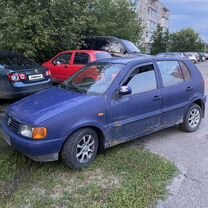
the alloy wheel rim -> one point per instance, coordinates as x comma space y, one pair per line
194, 118
85, 148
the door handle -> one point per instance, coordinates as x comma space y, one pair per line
66, 67
157, 97
189, 88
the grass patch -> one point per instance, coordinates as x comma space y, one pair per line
120, 177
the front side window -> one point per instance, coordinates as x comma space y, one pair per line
63, 59
81, 58
115, 46
94, 79
171, 72
142, 79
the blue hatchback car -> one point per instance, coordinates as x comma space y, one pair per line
128, 98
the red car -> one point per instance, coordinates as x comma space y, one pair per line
67, 63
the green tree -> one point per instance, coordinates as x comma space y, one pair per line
160, 40
115, 18
186, 40
42, 28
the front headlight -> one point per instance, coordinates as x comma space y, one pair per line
36, 133
26, 131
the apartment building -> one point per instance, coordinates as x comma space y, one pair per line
152, 13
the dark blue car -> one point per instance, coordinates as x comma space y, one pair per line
19, 76
128, 98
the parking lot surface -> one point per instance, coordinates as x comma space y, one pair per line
189, 151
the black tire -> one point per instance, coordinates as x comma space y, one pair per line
192, 119
71, 151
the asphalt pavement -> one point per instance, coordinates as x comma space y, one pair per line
189, 151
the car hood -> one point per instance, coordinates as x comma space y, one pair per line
41, 106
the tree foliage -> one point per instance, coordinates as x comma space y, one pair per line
42, 28
160, 40
39, 29
115, 18
185, 40
182, 41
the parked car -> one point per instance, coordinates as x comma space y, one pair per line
67, 63
202, 57
20, 76
206, 55
131, 97
172, 54
192, 57
117, 47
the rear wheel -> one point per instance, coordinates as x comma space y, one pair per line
80, 149
192, 119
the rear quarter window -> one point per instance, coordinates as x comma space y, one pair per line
185, 71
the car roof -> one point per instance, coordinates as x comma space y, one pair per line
140, 59
86, 51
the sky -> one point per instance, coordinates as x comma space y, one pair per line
188, 13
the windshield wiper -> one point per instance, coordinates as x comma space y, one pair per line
69, 85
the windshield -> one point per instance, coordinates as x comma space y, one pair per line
131, 47
16, 62
94, 79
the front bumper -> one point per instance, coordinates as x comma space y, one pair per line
42, 151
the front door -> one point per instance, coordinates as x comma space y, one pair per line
138, 113
60, 67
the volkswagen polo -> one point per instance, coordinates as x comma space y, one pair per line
129, 98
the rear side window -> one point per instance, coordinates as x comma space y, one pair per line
185, 71
101, 44
171, 72
142, 79
103, 55
81, 58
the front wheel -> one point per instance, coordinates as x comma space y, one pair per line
192, 119
80, 149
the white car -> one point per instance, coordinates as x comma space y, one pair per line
192, 57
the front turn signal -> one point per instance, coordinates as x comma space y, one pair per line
39, 133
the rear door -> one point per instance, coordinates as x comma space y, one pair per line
174, 92
79, 61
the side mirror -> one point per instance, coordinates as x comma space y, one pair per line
124, 90
56, 63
